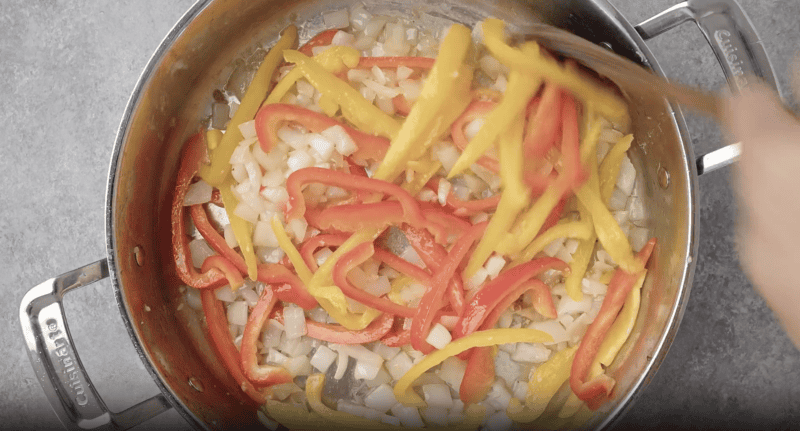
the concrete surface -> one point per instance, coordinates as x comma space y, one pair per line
67, 68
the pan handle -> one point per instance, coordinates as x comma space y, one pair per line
737, 46
57, 365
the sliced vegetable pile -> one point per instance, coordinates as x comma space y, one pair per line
460, 226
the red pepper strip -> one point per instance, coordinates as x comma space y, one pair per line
321, 39
350, 260
544, 124
271, 118
494, 292
260, 375
401, 105
480, 372
554, 216
194, 152
216, 198
398, 335
356, 217
296, 207
432, 255
392, 62
432, 299
454, 224
388, 258
292, 288
232, 274
476, 109
217, 323
542, 302
596, 391
570, 142
340, 335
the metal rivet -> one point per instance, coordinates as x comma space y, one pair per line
138, 254
606, 45
663, 177
195, 383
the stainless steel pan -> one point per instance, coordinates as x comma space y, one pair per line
166, 106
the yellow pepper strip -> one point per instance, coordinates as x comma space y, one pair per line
608, 231
530, 222
355, 108
220, 167
334, 59
609, 169
581, 258
486, 338
213, 138
606, 102
615, 338
423, 170
286, 245
521, 87
619, 331
475, 414
564, 229
437, 95
515, 196
546, 381
314, 385
294, 417
242, 229
397, 286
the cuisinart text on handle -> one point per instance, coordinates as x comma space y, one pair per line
723, 39
66, 359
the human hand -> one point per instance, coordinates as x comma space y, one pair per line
767, 182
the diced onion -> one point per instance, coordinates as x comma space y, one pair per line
271, 337
473, 127
336, 19
294, 321
494, 265
444, 190
237, 313
505, 368
200, 250
593, 287
437, 416
249, 295
385, 351
437, 395
553, 328
197, 193
383, 377
342, 141
439, 336
299, 159
452, 371
627, 176
248, 129
322, 146
399, 365
409, 416
528, 352
276, 357
498, 396
381, 398
343, 38
264, 236
246, 212
298, 366
230, 237
639, 237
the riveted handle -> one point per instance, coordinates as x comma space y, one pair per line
57, 365
737, 46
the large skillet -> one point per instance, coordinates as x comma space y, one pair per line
171, 97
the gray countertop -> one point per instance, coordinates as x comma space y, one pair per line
68, 67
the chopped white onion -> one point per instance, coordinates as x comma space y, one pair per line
322, 146
276, 357
439, 336
336, 19
297, 228
298, 366
383, 377
593, 287
627, 176
498, 396
237, 313
409, 416
437, 416
246, 212
230, 237
385, 351
358, 75
444, 190
380, 286
294, 321
357, 410
477, 280
499, 421
193, 299
341, 365
248, 129
639, 237
271, 337
491, 66
452, 371
553, 248
249, 295
505, 368
411, 89
527, 352
197, 193
399, 365
343, 38
553, 328
359, 17
322, 255
299, 159
494, 265
264, 236
200, 250
437, 395
610, 135
342, 141
381, 398
269, 254
473, 127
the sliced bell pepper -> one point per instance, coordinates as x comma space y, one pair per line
515, 196
291, 252
295, 208
545, 382
355, 108
350, 260
323, 38
295, 417
478, 376
214, 239
521, 87
271, 118
581, 257
235, 279
438, 94
532, 220
605, 101
193, 153
432, 299
335, 60
610, 167
220, 167
493, 293
455, 225
568, 229
314, 385
543, 124
260, 375
476, 109
217, 323
340, 335
596, 391
570, 139
242, 229
490, 337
